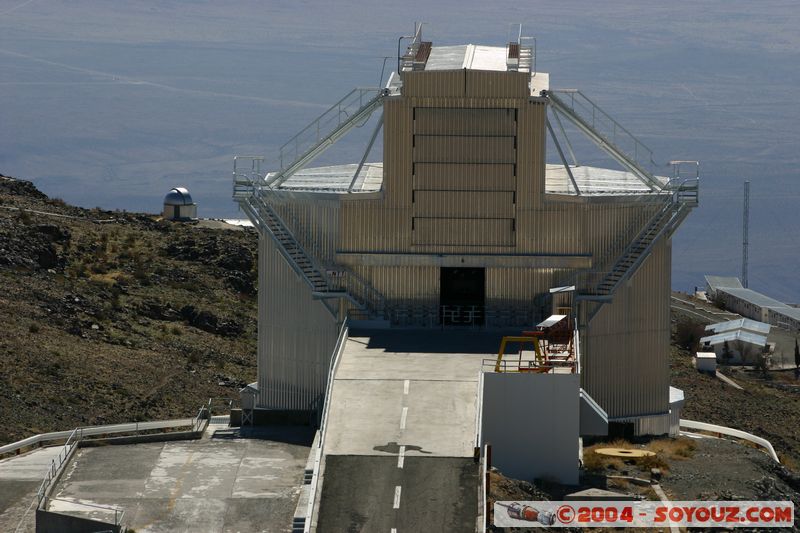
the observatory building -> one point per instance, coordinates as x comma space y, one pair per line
178, 205
463, 223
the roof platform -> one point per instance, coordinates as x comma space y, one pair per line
335, 179
592, 181
595, 181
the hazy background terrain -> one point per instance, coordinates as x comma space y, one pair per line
110, 103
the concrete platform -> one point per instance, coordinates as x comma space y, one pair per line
416, 388
20, 477
225, 483
401, 432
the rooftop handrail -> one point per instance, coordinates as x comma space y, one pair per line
605, 124
325, 124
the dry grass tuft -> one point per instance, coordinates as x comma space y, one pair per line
665, 449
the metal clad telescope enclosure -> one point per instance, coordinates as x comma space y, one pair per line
462, 223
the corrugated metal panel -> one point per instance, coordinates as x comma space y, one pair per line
463, 231
452, 121
463, 149
462, 204
375, 228
434, 83
314, 223
626, 367
464, 177
405, 283
531, 143
517, 286
397, 149
487, 84
296, 336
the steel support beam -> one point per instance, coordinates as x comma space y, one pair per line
361, 163
563, 159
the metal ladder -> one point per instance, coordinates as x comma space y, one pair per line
606, 133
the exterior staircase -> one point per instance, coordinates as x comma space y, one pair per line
254, 191
526, 57
302, 262
681, 198
255, 198
664, 222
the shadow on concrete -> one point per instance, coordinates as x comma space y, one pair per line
297, 435
394, 448
434, 341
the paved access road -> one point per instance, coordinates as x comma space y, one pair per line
401, 432
361, 493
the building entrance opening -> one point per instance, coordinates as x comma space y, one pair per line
462, 296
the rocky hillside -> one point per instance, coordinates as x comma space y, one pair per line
111, 316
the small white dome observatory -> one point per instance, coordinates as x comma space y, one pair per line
178, 205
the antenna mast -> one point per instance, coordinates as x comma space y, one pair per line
745, 231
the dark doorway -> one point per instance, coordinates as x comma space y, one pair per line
462, 296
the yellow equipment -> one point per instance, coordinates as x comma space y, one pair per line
522, 340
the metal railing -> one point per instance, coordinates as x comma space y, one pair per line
351, 111
91, 431
253, 195
325, 124
57, 463
323, 424
606, 125
731, 432
675, 201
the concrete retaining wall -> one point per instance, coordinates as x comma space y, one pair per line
47, 522
532, 422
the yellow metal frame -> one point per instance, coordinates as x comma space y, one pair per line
521, 340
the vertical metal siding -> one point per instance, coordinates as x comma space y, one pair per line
626, 368
296, 336
464, 177
483, 204
453, 121
496, 84
463, 232
464, 149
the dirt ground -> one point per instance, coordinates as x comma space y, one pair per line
117, 317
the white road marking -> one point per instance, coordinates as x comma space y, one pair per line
394, 530
403, 418
401, 457
397, 491
406, 383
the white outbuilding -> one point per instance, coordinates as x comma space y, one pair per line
706, 362
737, 347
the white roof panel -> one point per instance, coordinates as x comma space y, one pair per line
738, 335
716, 282
594, 181
551, 321
753, 297
742, 323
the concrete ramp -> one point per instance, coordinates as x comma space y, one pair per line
401, 432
